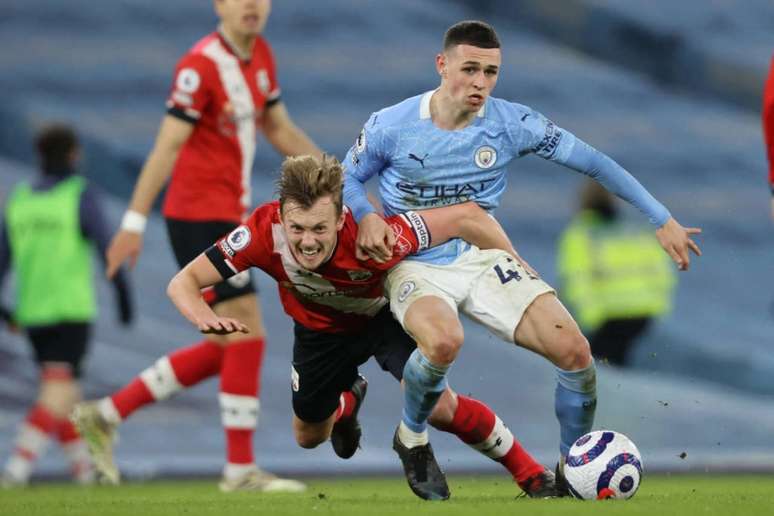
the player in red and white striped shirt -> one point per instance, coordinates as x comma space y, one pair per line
225, 92
306, 241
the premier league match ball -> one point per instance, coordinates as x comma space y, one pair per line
603, 465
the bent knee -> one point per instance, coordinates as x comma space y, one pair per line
445, 345
575, 352
309, 441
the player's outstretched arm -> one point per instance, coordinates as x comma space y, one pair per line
676, 241
127, 242
285, 136
185, 292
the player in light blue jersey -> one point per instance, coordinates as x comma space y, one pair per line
454, 144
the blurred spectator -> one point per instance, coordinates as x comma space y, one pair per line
49, 227
768, 128
615, 277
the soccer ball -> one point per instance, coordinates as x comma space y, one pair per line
603, 464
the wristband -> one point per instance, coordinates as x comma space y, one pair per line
134, 221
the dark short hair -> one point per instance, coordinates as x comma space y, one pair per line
305, 179
55, 144
471, 32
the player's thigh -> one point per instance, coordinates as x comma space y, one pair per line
323, 367
393, 345
548, 329
436, 328
60, 348
423, 299
502, 293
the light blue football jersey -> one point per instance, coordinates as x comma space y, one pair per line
422, 166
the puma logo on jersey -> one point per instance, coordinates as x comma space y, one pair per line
417, 158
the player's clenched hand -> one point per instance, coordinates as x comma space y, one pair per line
126, 245
676, 241
221, 326
375, 239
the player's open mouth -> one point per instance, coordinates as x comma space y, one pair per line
475, 98
252, 19
310, 252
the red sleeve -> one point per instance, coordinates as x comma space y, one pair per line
411, 235
246, 246
768, 122
271, 71
192, 87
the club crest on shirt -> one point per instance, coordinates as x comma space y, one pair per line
485, 156
359, 275
262, 78
239, 238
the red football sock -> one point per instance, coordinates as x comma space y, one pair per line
41, 419
31, 441
183, 368
66, 432
477, 425
239, 388
131, 397
198, 362
347, 404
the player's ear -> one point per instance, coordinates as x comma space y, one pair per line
340, 221
440, 64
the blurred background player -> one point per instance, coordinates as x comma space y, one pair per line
614, 275
768, 128
225, 90
56, 216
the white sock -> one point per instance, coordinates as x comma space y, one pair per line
19, 469
410, 438
78, 453
234, 471
109, 411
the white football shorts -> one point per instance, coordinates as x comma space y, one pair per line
488, 286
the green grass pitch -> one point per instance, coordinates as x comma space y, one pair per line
478, 496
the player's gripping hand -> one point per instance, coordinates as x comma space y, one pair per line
221, 325
676, 241
126, 245
375, 239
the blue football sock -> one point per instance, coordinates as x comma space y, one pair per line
575, 402
424, 384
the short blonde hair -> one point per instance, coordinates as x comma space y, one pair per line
305, 179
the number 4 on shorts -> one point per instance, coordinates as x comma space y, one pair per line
506, 276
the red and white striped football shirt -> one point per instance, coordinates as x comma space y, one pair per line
340, 296
225, 97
